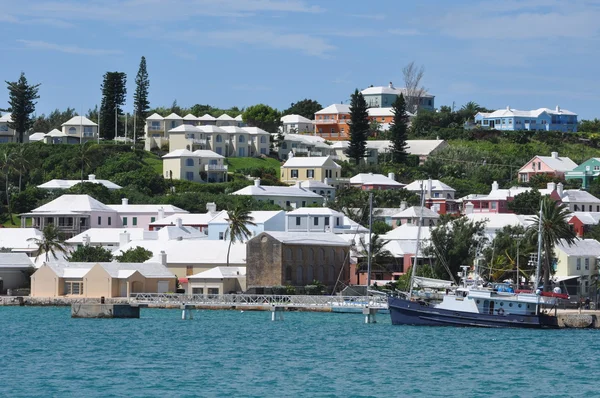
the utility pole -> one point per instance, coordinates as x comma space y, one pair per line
370, 241
116, 122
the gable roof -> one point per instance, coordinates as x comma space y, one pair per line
186, 219
258, 216
155, 116
66, 184
15, 260
416, 211
436, 185
207, 117
220, 273
114, 269
73, 203
557, 163
311, 161
189, 116
56, 133
106, 235
288, 119
225, 117
580, 248
184, 128
173, 116
269, 190
239, 118
79, 121
178, 153
132, 208
36, 137
207, 153
334, 109
374, 179
378, 90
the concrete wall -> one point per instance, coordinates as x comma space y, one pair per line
14, 278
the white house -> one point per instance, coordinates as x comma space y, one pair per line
218, 227
321, 188
314, 219
295, 196
292, 124
413, 214
79, 128
19, 240
142, 215
6, 133
370, 181
218, 280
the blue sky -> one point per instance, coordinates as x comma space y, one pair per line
526, 54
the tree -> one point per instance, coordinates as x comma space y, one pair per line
21, 98
54, 120
262, 116
381, 227
413, 75
141, 104
51, 242
90, 254
7, 168
21, 161
113, 97
238, 220
134, 255
306, 108
380, 256
399, 130
526, 203
501, 254
454, 243
359, 127
469, 110
589, 126
555, 229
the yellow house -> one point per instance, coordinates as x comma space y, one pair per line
100, 279
580, 260
218, 280
310, 169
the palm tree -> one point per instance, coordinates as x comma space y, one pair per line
470, 109
84, 155
51, 242
238, 220
554, 229
380, 256
7, 167
21, 162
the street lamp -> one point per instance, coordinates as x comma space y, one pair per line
519, 238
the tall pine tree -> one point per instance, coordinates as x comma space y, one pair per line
399, 130
21, 98
141, 105
359, 127
113, 98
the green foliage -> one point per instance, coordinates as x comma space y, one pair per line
141, 104
238, 164
90, 254
501, 254
51, 243
262, 116
54, 120
526, 202
114, 91
398, 132
381, 227
134, 255
238, 220
315, 288
359, 127
21, 98
589, 126
306, 108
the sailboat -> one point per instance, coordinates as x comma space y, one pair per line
473, 304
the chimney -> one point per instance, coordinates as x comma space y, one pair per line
551, 186
495, 186
469, 208
508, 107
178, 222
429, 188
163, 258
298, 184
554, 155
211, 207
86, 240
326, 181
257, 182
161, 213
391, 85
392, 176
557, 108
124, 238
124, 201
403, 205
92, 177
559, 189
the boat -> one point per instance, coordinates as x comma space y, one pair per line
475, 303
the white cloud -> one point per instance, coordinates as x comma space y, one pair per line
42, 45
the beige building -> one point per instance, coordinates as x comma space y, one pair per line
296, 259
579, 260
285, 197
6, 133
199, 166
187, 137
218, 280
100, 279
310, 168
79, 128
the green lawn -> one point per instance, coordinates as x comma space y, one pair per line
247, 163
154, 161
17, 220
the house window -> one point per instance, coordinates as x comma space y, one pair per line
109, 220
263, 140
154, 125
74, 288
304, 203
485, 122
263, 151
297, 220
493, 205
189, 162
87, 131
189, 270
221, 235
72, 130
124, 221
578, 264
332, 130
288, 203
99, 220
152, 219
316, 221
3, 127
241, 138
342, 130
284, 145
189, 175
134, 221
310, 173
337, 221
326, 221
294, 173
587, 263
219, 138
173, 124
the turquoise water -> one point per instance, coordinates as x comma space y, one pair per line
45, 353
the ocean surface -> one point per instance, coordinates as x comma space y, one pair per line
45, 353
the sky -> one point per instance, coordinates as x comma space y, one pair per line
522, 54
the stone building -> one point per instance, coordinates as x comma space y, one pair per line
296, 259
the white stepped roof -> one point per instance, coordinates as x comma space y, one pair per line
308, 238
407, 232
258, 216
178, 153
189, 116
267, 190
239, 118
211, 129
436, 185
186, 219
389, 90
225, 117
5, 118
184, 128
106, 235
56, 133
255, 130
79, 121
155, 116
416, 211
19, 238
73, 203
114, 269
66, 184
234, 130
294, 119
36, 137
206, 153
508, 112
207, 117
147, 209
315, 211
311, 161
173, 116
580, 248
334, 109
220, 273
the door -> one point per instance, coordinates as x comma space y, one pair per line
163, 287
123, 288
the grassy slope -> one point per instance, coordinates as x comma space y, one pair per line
154, 161
246, 163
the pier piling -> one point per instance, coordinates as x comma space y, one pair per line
370, 314
277, 313
186, 312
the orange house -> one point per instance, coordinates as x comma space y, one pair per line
331, 123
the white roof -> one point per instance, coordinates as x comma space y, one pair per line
407, 232
374, 179
334, 109
129, 208
18, 238
36, 137
211, 129
239, 118
184, 128
580, 248
496, 221
220, 273
556, 163
66, 184
306, 138
173, 116
315, 184
423, 147
79, 121
271, 190
507, 112
379, 112
416, 211
178, 153
188, 251
315, 211
207, 117
587, 217
234, 130
114, 269
254, 130
308, 238
56, 133
155, 116
436, 185
207, 153
73, 204
186, 219
578, 196
5, 118
294, 119
189, 116
225, 117
311, 161
389, 90
106, 235
258, 217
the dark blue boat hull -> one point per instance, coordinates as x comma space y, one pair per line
406, 312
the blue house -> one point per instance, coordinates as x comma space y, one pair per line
542, 119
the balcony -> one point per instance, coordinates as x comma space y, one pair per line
198, 141
329, 121
155, 128
214, 167
300, 150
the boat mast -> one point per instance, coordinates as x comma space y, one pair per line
414, 267
539, 252
369, 254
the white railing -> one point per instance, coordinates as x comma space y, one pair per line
227, 300
215, 167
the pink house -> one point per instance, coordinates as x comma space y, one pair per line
551, 165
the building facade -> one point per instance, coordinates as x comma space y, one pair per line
542, 119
